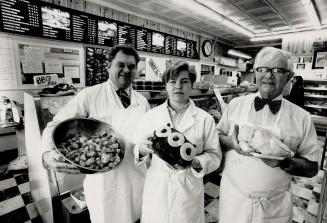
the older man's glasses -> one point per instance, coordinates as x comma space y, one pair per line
274, 70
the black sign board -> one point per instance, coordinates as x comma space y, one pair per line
181, 47
20, 17
55, 22
84, 28
126, 34
158, 42
43, 19
171, 45
143, 39
107, 32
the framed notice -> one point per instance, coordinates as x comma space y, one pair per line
320, 59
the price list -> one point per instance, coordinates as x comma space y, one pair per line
171, 45
83, 29
126, 34
143, 40
56, 23
189, 49
20, 17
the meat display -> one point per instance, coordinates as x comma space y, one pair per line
173, 147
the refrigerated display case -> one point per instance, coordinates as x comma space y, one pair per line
48, 187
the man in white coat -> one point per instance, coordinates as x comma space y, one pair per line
256, 189
114, 196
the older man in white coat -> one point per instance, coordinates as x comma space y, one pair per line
114, 196
254, 189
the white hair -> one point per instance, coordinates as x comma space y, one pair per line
272, 50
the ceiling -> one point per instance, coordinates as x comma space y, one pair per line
258, 17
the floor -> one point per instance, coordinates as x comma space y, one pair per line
16, 203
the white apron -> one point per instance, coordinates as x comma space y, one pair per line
116, 196
251, 191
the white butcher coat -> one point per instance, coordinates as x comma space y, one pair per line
177, 196
251, 191
114, 196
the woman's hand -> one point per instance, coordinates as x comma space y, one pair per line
146, 147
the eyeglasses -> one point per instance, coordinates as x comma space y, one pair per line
274, 70
129, 66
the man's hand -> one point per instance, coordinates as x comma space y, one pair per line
271, 162
53, 160
230, 142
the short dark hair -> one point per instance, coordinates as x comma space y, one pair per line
126, 50
174, 69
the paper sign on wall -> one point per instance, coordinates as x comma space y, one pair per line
52, 66
32, 67
45, 80
33, 53
155, 69
71, 71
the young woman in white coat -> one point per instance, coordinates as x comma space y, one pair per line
176, 195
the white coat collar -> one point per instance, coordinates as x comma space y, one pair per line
188, 119
128, 90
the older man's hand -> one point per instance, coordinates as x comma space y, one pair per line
53, 160
271, 162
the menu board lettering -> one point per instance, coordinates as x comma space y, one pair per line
171, 45
19, 16
126, 34
56, 23
143, 40
83, 28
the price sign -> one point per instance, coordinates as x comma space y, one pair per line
45, 80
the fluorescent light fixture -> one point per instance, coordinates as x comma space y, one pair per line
238, 54
297, 32
262, 38
312, 13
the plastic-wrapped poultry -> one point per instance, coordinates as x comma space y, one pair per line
263, 141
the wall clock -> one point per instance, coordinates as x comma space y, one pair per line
206, 48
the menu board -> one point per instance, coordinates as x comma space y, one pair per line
84, 28
126, 34
43, 19
107, 33
55, 22
20, 17
171, 45
158, 42
143, 39
181, 48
